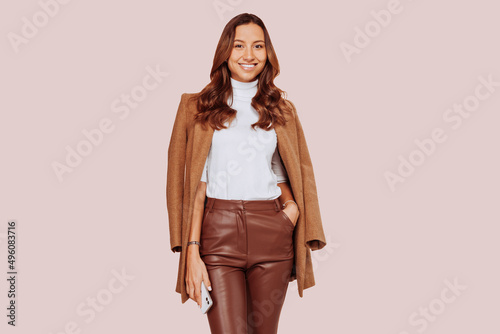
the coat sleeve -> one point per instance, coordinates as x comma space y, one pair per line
175, 176
314, 234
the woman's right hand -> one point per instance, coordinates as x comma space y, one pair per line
196, 272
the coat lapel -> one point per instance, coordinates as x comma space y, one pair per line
287, 146
202, 140
282, 145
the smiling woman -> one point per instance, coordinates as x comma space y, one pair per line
240, 228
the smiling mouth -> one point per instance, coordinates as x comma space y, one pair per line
247, 66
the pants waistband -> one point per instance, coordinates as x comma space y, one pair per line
235, 204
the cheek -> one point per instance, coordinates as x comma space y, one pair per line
233, 64
234, 56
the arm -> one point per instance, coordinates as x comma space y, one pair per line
198, 210
292, 210
278, 168
195, 267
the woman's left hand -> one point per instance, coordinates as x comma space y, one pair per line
292, 211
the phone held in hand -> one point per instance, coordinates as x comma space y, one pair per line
206, 300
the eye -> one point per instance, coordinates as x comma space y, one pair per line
261, 46
237, 45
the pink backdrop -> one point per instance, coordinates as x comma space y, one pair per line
400, 106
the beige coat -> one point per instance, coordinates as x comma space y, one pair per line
187, 152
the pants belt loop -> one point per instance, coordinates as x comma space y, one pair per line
277, 202
211, 204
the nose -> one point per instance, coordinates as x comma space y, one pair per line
248, 55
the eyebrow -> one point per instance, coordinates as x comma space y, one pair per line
239, 40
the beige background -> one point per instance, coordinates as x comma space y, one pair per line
391, 252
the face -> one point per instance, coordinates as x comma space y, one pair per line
249, 48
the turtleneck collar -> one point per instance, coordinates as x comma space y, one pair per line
244, 90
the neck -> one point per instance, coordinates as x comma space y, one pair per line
244, 90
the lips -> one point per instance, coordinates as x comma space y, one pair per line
247, 66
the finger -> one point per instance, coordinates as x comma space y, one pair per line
190, 291
197, 294
208, 284
197, 297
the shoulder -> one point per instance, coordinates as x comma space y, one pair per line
188, 103
290, 107
188, 98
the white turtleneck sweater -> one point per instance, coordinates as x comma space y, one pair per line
243, 163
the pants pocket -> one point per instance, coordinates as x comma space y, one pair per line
287, 219
221, 233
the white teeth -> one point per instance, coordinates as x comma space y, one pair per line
247, 65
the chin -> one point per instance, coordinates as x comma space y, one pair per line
249, 76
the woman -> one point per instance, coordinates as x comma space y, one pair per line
236, 152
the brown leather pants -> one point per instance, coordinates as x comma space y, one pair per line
247, 247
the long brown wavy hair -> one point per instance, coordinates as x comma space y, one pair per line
212, 100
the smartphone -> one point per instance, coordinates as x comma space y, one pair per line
206, 300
